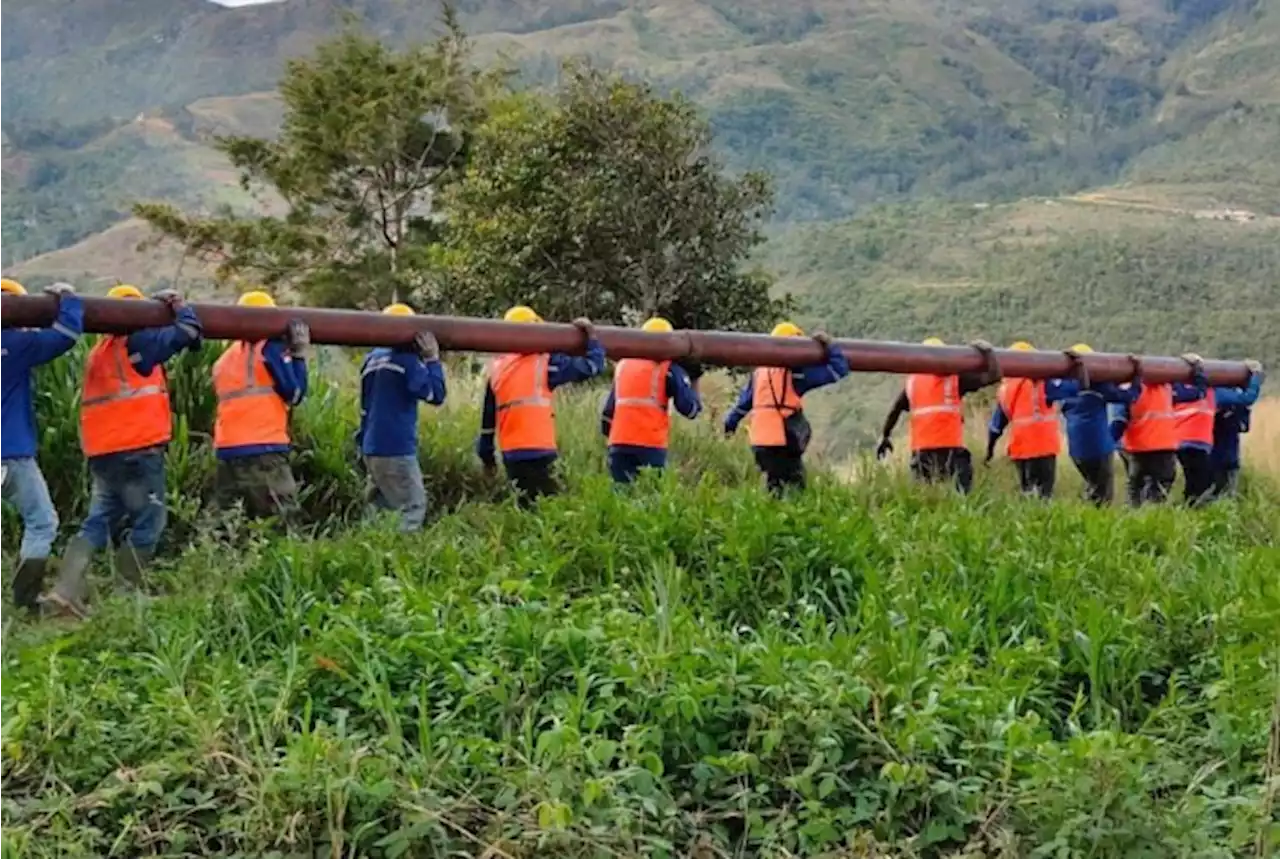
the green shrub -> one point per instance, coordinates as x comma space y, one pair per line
686, 668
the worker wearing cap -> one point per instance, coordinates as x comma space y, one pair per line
938, 452
1024, 408
392, 383
773, 398
1193, 420
257, 383
519, 419
24, 349
125, 426
1234, 407
1084, 404
636, 417
1148, 431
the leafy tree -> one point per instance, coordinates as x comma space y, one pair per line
370, 137
606, 200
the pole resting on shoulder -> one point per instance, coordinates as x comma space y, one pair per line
722, 348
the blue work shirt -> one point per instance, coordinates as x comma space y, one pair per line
392, 383
1231, 419
152, 347
289, 380
680, 393
804, 379
24, 349
1183, 392
562, 369
1085, 412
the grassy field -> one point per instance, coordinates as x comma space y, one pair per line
688, 669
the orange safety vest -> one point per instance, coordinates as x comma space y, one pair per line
526, 420
250, 412
1151, 421
773, 400
121, 409
640, 414
937, 421
1033, 426
1194, 420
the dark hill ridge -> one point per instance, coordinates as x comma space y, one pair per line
847, 104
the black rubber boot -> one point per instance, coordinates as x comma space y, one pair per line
28, 581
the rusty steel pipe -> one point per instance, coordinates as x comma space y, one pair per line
361, 328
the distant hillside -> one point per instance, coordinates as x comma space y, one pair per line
848, 105
1123, 269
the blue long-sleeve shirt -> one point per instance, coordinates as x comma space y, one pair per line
152, 347
804, 379
392, 383
1231, 419
24, 349
680, 393
562, 369
289, 379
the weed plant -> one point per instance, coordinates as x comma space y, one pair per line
687, 668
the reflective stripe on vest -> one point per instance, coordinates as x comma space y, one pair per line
1194, 420
120, 409
250, 412
640, 416
773, 399
526, 420
1033, 425
1151, 421
936, 416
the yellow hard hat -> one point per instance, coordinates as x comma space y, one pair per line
657, 325
12, 287
124, 290
1022, 346
787, 329
932, 341
521, 313
256, 298
1082, 348
398, 309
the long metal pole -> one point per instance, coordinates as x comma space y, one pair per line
360, 328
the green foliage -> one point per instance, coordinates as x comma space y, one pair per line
689, 668
606, 201
370, 137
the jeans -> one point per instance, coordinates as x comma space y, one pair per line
24, 488
936, 465
624, 466
1036, 476
128, 499
397, 485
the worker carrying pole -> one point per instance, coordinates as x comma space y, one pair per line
718, 348
636, 415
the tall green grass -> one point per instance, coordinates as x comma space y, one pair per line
687, 668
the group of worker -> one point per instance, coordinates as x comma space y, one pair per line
126, 423
1153, 426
